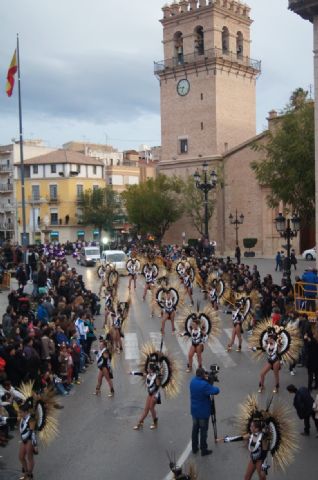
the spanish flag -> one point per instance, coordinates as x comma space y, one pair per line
11, 72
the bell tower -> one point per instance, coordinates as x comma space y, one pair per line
207, 81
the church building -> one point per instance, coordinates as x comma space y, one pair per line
208, 114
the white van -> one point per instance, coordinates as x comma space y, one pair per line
89, 256
117, 257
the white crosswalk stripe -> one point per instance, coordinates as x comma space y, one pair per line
222, 356
131, 348
245, 347
155, 338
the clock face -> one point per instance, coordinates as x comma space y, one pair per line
183, 87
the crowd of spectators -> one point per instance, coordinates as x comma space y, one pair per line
45, 337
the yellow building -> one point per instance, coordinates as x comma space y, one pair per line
54, 184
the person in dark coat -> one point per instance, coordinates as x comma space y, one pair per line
21, 277
303, 403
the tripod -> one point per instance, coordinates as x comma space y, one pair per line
213, 418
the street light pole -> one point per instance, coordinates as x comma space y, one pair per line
285, 230
236, 222
205, 186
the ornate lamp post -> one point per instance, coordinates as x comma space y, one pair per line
288, 229
205, 185
236, 221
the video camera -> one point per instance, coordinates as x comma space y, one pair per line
212, 375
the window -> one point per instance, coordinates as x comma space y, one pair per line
94, 169
239, 44
225, 40
202, 126
53, 168
201, 96
183, 145
178, 46
78, 168
35, 192
53, 192
199, 41
35, 169
95, 187
79, 191
54, 219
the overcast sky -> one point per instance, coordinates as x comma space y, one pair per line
87, 67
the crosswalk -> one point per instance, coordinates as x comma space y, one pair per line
225, 359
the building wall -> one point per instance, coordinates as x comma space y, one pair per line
66, 205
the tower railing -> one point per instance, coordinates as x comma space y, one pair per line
211, 55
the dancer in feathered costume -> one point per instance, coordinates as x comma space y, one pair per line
104, 365
159, 371
177, 471
199, 326
215, 290
167, 298
150, 271
267, 431
133, 266
242, 309
278, 344
187, 272
118, 317
38, 415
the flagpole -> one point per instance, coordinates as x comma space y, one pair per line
24, 236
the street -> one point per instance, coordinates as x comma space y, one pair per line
97, 440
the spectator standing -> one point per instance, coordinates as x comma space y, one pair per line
200, 393
303, 403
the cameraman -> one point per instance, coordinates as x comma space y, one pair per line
200, 392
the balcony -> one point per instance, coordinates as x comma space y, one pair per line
36, 199
7, 207
6, 187
53, 199
213, 56
307, 9
4, 227
6, 169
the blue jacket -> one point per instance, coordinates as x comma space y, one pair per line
200, 391
310, 290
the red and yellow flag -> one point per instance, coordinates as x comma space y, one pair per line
11, 72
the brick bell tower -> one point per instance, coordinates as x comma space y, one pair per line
207, 82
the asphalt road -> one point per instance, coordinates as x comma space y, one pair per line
97, 440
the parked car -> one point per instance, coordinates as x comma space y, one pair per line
309, 254
89, 256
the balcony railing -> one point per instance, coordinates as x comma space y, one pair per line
6, 226
6, 187
7, 207
211, 55
36, 199
53, 199
5, 169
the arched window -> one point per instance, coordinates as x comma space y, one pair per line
239, 44
178, 47
225, 40
199, 41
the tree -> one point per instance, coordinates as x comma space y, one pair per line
100, 208
193, 202
154, 205
288, 167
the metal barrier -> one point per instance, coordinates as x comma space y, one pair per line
306, 298
6, 280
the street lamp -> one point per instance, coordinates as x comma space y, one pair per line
236, 222
288, 229
205, 185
